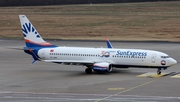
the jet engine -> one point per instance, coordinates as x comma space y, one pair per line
102, 67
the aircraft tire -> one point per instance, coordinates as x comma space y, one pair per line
159, 72
88, 70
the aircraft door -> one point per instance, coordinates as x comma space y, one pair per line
153, 58
43, 54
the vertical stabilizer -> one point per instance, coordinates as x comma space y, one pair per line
31, 37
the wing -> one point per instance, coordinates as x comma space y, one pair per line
70, 62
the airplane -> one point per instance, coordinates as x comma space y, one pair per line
95, 59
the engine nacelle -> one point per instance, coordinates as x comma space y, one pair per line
102, 67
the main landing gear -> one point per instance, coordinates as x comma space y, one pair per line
88, 70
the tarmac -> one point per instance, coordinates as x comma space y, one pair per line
47, 82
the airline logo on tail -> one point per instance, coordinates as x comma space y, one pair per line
28, 28
31, 36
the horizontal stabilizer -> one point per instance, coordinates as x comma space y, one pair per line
34, 61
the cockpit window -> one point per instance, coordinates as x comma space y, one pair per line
164, 57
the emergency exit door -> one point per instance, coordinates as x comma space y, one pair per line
153, 58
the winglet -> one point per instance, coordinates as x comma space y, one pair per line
109, 44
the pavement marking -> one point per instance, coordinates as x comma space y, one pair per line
152, 75
176, 76
80, 97
127, 90
113, 89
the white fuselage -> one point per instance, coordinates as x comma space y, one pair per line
118, 57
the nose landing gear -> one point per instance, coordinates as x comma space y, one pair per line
159, 70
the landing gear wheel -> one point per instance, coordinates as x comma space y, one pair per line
159, 71
88, 70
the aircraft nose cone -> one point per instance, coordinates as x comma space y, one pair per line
173, 61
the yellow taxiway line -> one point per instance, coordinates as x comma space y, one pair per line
152, 75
